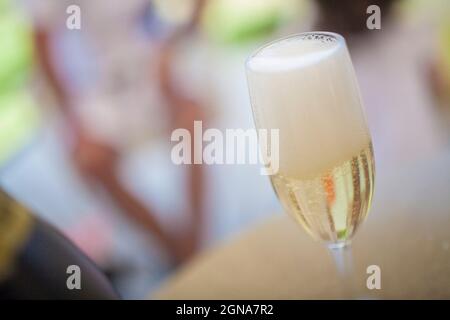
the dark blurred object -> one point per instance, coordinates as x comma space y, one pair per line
348, 17
34, 258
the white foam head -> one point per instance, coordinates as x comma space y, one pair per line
305, 86
291, 53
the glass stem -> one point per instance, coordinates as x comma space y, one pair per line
343, 260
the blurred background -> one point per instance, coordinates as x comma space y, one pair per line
86, 115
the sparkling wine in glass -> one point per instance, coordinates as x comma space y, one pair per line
305, 86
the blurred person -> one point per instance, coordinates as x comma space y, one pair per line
391, 66
439, 70
184, 110
119, 106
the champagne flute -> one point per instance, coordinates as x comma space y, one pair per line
305, 86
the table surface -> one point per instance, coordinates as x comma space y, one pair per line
407, 234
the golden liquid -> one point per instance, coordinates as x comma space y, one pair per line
331, 205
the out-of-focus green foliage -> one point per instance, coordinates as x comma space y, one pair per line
233, 21
18, 114
16, 48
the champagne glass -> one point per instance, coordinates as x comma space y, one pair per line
305, 86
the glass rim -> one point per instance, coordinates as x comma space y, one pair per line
339, 39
